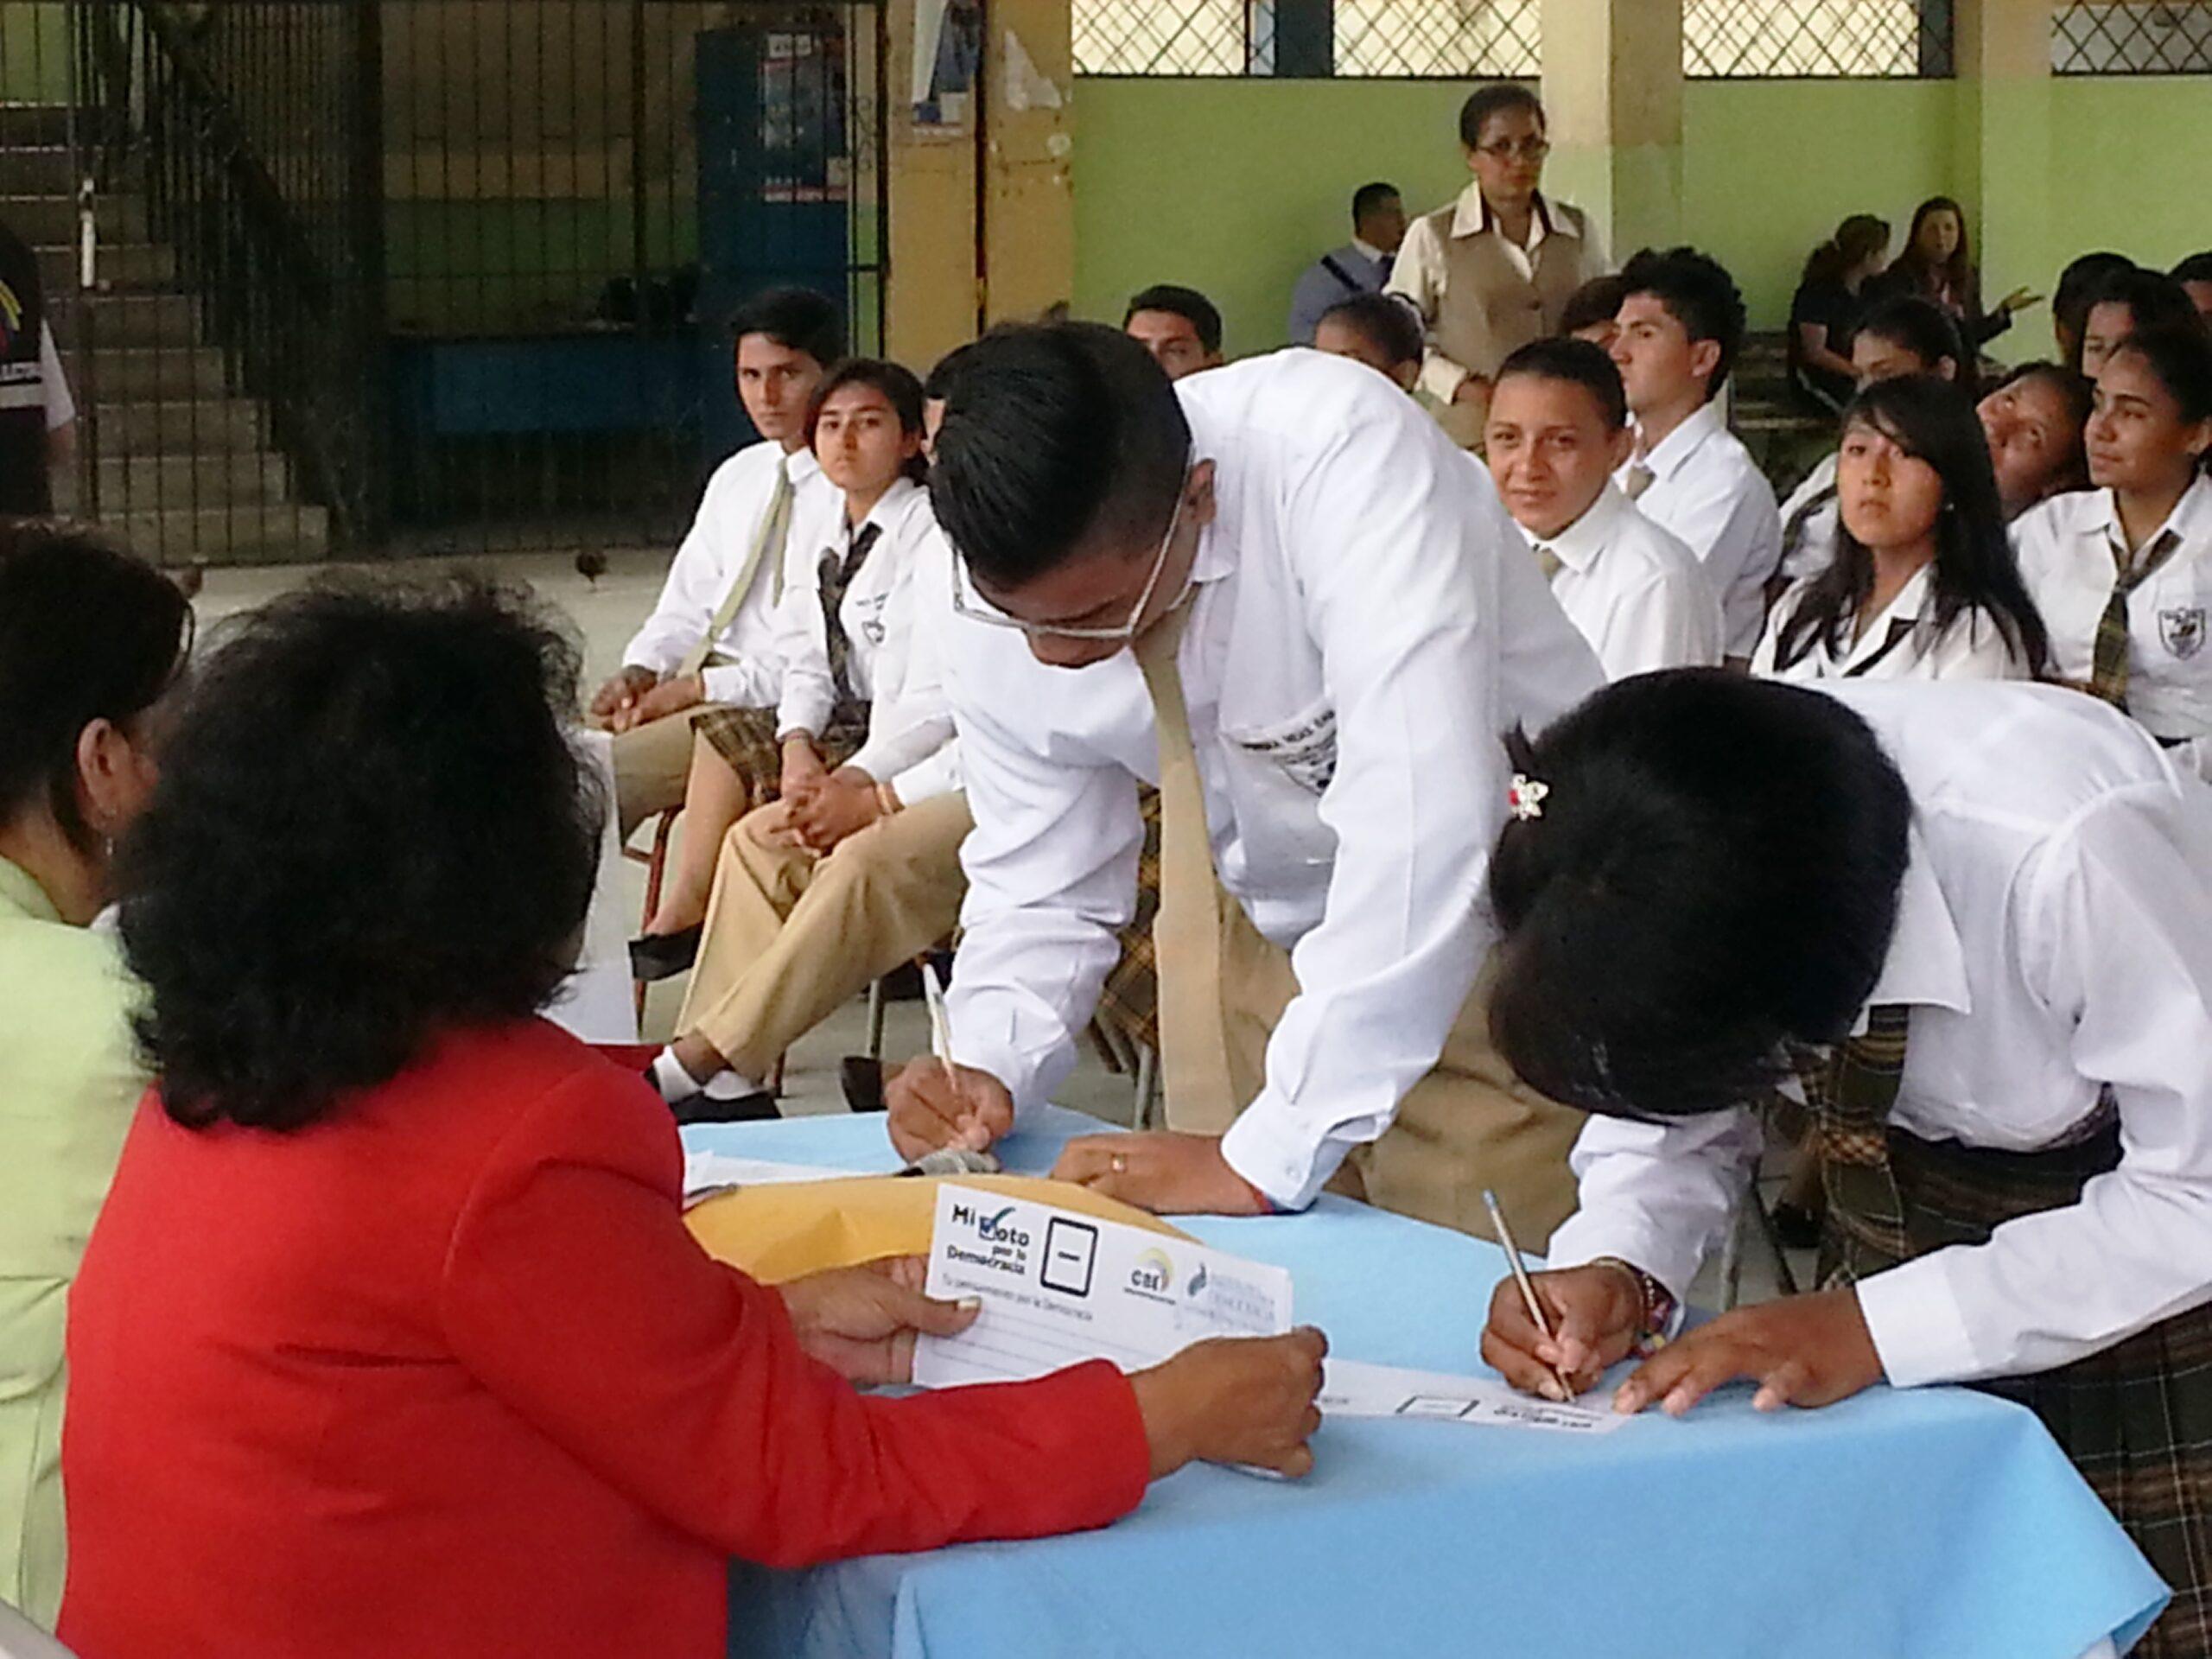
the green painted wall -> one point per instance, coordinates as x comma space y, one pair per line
34, 52
1233, 185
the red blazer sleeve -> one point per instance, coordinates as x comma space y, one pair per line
572, 1292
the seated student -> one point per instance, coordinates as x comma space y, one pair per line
1493, 268
2195, 276
1824, 312
1558, 428
2128, 302
1921, 585
1362, 266
2033, 421
1592, 311
2077, 292
1178, 325
1378, 329
1992, 905
91, 642
1904, 334
391, 1338
865, 431
1937, 264
1681, 325
2123, 572
711, 638
851, 873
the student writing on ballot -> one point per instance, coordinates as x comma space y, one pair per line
1281, 593
1980, 917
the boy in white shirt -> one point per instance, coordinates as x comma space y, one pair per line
1558, 428
1991, 904
711, 638
1681, 327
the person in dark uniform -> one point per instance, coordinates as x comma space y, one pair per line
23, 487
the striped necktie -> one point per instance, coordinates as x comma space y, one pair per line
2108, 658
1186, 934
1851, 1097
836, 577
1546, 561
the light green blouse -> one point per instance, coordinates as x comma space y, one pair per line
69, 1080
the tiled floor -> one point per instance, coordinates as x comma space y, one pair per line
605, 613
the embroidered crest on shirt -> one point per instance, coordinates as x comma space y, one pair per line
1306, 749
2181, 630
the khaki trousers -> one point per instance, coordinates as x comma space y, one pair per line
790, 936
652, 764
1469, 1124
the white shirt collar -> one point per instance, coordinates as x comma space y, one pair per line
2191, 518
1368, 250
1927, 966
1579, 545
1674, 451
891, 507
1471, 216
802, 465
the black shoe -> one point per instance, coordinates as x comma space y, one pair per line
862, 1080
703, 1107
664, 956
1797, 1228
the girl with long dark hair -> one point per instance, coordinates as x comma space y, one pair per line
1922, 585
1826, 307
1937, 265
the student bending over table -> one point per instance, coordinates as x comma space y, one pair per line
391, 1338
1991, 904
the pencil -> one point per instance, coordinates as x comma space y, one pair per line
1528, 1288
940, 1024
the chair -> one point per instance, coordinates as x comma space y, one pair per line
656, 863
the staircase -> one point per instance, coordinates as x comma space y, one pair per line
1784, 436
171, 459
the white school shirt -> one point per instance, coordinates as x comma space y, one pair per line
1972, 648
2065, 549
1637, 593
712, 554
1816, 542
2054, 937
1708, 491
1366, 623
879, 611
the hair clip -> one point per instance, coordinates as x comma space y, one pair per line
1526, 797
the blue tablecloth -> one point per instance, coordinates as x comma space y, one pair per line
1935, 1524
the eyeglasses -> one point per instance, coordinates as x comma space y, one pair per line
976, 610
1527, 149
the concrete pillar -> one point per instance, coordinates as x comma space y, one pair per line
2003, 151
1613, 89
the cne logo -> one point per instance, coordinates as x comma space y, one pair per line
1153, 1271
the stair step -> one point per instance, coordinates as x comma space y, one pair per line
39, 217
120, 265
41, 170
113, 321
201, 427
279, 533
34, 123
130, 374
144, 483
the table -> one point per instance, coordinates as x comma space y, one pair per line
1933, 1524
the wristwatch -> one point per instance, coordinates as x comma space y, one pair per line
1658, 1312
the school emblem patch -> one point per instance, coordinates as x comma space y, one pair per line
2182, 630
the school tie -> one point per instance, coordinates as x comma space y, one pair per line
1546, 561
1186, 935
1851, 1097
768, 538
1638, 480
836, 576
2109, 657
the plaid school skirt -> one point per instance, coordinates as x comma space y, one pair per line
2135, 1419
745, 738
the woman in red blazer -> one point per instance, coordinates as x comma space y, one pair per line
391, 1339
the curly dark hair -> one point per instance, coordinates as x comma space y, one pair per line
370, 828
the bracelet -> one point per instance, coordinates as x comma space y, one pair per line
1657, 1310
886, 799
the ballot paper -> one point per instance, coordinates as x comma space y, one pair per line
1058, 1287
706, 1173
1352, 1388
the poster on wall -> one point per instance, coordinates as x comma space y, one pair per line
948, 61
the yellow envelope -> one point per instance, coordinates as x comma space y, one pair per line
786, 1230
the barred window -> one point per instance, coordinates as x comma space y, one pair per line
2132, 37
1833, 39
1451, 39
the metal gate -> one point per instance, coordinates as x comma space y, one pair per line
331, 277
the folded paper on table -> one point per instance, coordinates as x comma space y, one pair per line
1352, 1388
706, 1173
1059, 1285
787, 1230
